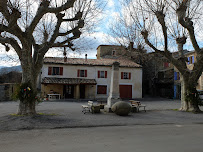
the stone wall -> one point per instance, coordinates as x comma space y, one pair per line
6, 91
2, 93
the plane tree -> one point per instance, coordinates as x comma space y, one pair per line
33, 27
167, 26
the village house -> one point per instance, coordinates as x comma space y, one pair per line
191, 56
83, 78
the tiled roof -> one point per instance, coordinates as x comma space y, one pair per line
47, 80
96, 62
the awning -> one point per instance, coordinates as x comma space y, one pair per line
47, 80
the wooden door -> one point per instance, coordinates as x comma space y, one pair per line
125, 91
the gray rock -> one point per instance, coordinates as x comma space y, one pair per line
121, 108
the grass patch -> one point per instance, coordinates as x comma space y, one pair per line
175, 109
47, 114
16, 115
41, 114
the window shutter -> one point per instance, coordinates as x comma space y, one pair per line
175, 75
98, 74
61, 70
105, 74
129, 75
193, 61
188, 60
121, 75
49, 70
178, 75
85, 73
78, 73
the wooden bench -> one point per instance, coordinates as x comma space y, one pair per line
137, 105
90, 108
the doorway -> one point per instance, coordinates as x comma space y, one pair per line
82, 91
68, 91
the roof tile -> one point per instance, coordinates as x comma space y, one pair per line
96, 62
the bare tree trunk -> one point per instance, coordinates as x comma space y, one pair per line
27, 106
188, 103
184, 104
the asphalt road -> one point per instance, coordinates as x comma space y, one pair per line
136, 138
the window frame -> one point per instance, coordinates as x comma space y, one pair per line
99, 75
126, 75
191, 60
102, 93
52, 70
82, 73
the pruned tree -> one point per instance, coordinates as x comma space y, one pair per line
165, 24
32, 27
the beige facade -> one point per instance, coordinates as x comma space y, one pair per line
191, 60
191, 65
91, 78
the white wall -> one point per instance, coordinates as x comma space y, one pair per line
70, 71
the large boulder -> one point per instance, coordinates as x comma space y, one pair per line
121, 108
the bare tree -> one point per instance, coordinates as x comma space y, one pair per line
165, 24
32, 27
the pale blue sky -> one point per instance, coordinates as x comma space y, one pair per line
93, 40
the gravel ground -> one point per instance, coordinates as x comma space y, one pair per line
67, 114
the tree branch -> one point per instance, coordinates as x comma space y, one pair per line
40, 12
56, 31
13, 43
187, 23
145, 35
80, 25
65, 6
4, 28
177, 63
160, 16
77, 17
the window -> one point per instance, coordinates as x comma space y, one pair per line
101, 89
102, 74
191, 60
55, 71
125, 75
82, 73
176, 76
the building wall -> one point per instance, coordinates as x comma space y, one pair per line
7, 90
106, 50
70, 71
48, 88
190, 66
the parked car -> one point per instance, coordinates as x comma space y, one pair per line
200, 94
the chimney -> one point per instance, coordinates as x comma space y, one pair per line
131, 46
86, 57
64, 54
65, 59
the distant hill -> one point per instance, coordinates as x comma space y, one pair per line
5, 70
